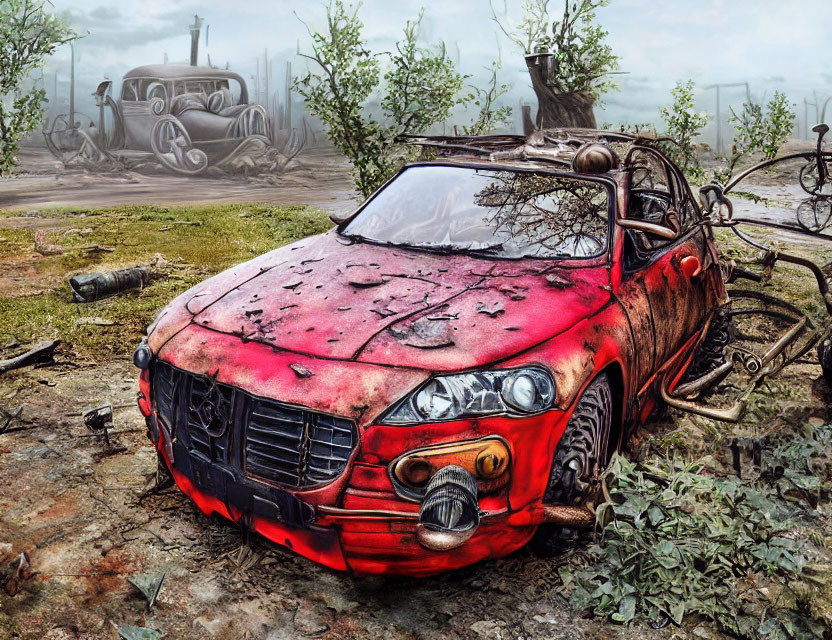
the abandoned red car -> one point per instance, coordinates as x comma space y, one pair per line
442, 377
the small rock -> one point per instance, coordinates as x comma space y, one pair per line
308, 622
211, 625
490, 629
338, 603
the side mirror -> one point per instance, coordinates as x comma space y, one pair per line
713, 200
103, 88
651, 228
340, 218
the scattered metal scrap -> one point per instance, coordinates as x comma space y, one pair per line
99, 420
41, 354
129, 632
23, 573
149, 584
8, 416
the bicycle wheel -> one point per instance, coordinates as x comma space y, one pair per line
810, 179
814, 214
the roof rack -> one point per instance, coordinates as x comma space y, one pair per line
547, 145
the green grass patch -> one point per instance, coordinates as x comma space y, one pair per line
196, 242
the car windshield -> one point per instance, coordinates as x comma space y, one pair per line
503, 213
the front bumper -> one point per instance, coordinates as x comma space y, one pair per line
368, 528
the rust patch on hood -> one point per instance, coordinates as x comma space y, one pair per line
424, 333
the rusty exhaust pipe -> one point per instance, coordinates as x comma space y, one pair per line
567, 516
449, 514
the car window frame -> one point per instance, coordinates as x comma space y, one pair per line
604, 257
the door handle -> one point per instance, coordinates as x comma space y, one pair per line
691, 266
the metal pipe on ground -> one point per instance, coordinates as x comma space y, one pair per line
94, 286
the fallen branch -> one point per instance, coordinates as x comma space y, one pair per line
42, 353
7, 417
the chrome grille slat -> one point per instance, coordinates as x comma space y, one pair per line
263, 438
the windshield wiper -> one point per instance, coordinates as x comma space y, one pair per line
487, 250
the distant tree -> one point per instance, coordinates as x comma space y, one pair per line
28, 34
764, 132
568, 59
684, 125
420, 88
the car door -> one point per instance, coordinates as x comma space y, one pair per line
143, 102
670, 272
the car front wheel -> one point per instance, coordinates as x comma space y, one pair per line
580, 457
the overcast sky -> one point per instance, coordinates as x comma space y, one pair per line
773, 44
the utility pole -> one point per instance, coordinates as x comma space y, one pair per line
266, 71
806, 105
718, 87
72, 86
258, 97
823, 111
195, 28
288, 108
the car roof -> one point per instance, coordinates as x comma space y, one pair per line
543, 148
171, 71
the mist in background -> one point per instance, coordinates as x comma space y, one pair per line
770, 45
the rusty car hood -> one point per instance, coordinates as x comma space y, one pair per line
330, 297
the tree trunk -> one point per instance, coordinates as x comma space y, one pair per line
554, 108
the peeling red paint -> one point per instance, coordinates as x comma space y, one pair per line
348, 329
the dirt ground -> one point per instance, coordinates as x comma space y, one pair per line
76, 506
318, 177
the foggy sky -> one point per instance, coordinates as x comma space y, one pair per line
770, 43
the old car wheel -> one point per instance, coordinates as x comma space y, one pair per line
581, 455
172, 147
711, 353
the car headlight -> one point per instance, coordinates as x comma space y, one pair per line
142, 355
509, 391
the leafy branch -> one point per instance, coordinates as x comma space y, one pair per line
420, 88
582, 56
28, 35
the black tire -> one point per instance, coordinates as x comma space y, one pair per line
711, 353
825, 359
581, 455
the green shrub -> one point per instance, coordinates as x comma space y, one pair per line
678, 539
684, 125
764, 132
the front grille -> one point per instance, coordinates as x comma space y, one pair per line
266, 440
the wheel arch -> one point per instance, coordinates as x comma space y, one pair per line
615, 376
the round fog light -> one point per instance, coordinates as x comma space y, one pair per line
414, 471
